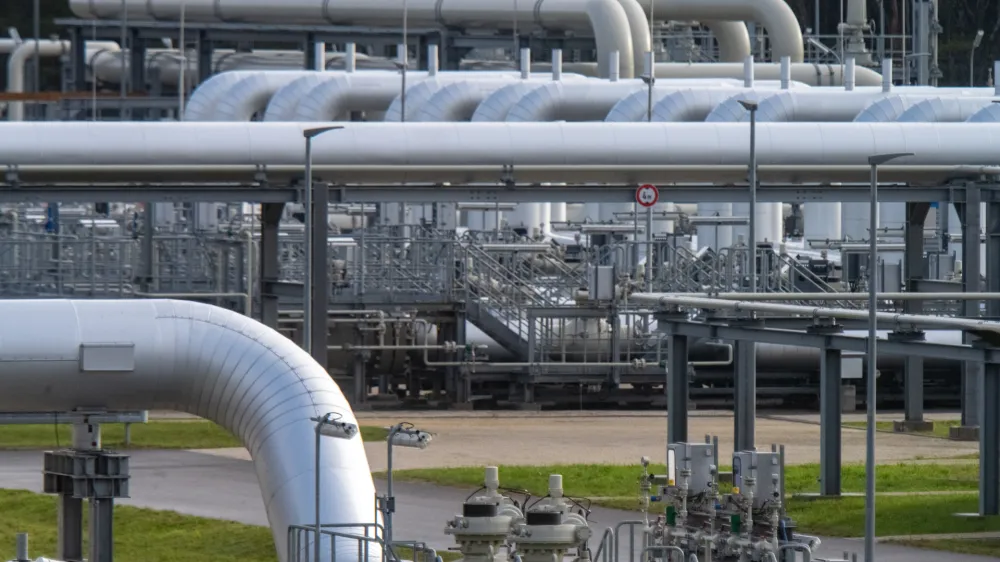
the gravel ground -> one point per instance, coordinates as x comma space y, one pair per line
478, 439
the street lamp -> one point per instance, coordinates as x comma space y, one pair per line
751, 106
328, 425
874, 161
307, 318
401, 435
972, 57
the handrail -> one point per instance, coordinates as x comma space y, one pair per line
818, 312
666, 552
300, 535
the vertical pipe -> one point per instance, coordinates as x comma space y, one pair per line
748, 72
786, 72
319, 56
849, 75
350, 57
650, 73
996, 77
872, 359
432, 60
614, 66
556, 64
525, 64
887, 75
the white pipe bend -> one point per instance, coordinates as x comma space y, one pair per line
207, 361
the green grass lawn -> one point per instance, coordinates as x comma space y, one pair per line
618, 487
622, 481
941, 427
161, 434
145, 535
982, 547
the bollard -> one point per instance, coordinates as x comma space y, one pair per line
22, 547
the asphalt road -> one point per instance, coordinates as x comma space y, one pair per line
226, 488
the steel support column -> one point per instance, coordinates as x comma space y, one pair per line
270, 267
989, 441
745, 404
830, 422
148, 249
101, 530
968, 213
319, 252
913, 273
993, 257
70, 523
677, 389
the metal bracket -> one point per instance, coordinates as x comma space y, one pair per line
507, 176
260, 175
825, 326
12, 177
907, 335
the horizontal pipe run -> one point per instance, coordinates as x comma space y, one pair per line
816, 312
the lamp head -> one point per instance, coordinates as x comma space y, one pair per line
978, 40
313, 133
879, 159
749, 105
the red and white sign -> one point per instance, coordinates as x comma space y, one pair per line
647, 195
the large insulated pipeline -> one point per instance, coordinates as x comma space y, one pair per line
592, 152
174, 355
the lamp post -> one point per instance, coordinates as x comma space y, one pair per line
874, 161
328, 425
972, 57
307, 284
401, 435
403, 62
751, 106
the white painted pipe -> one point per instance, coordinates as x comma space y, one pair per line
23, 52
525, 63
557, 65
459, 100
945, 109
565, 152
613, 66
774, 15
748, 69
588, 100
433, 60
633, 107
419, 93
350, 57
786, 72
849, 74
319, 53
887, 75
160, 354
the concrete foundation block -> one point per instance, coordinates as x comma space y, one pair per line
913, 426
848, 399
964, 433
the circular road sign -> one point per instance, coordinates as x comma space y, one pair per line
647, 195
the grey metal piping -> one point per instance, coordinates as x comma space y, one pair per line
210, 362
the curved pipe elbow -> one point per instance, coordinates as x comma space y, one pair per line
611, 33
733, 39
204, 360
638, 25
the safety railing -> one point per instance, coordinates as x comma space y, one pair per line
367, 539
